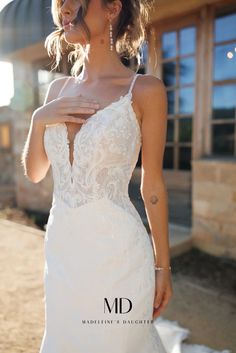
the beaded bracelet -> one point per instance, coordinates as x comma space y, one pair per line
162, 268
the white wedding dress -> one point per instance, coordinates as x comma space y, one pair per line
96, 246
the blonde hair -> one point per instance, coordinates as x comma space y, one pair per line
129, 34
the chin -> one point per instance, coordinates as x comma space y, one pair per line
74, 37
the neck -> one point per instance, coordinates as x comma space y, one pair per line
100, 62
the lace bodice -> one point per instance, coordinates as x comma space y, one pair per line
105, 153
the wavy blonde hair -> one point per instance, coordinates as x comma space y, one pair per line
129, 33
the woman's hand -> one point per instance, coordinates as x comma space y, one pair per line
163, 291
65, 109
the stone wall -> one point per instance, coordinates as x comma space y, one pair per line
214, 206
7, 176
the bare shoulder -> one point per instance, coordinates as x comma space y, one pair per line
150, 84
151, 92
55, 87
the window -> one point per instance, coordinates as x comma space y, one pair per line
5, 141
223, 102
178, 74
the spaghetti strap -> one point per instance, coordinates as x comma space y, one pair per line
64, 85
132, 84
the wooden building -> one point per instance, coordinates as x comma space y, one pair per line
191, 46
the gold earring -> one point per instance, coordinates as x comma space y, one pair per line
111, 36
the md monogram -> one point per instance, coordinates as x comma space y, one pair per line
117, 305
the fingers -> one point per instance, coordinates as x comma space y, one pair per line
160, 303
158, 299
75, 106
73, 119
76, 99
159, 310
78, 110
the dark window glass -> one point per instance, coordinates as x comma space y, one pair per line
170, 130
144, 53
186, 100
223, 139
169, 49
185, 129
169, 157
224, 102
187, 71
169, 77
184, 158
224, 67
171, 102
225, 27
187, 40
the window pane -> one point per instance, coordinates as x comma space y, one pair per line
144, 53
4, 136
168, 157
170, 130
224, 67
171, 102
187, 40
184, 158
169, 45
223, 139
187, 70
225, 27
186, 100
224, 102
169, 73
185, 130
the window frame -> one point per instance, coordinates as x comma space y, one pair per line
215, 12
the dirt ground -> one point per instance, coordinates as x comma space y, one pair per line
21, 299
206, 310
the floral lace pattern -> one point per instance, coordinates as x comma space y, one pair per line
106, 150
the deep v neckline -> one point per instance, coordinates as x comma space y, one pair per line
77, 134
73, 143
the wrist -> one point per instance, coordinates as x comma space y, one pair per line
162, 263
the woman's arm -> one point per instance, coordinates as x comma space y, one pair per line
34, 158
153, 190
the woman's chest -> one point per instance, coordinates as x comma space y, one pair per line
110, 136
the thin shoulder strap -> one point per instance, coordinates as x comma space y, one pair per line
64, 85
132, 83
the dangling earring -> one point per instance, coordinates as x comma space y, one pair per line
111, 36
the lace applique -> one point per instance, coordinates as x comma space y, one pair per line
106, 150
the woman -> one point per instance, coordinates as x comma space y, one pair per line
105, 279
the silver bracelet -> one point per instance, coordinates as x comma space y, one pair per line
162, 268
